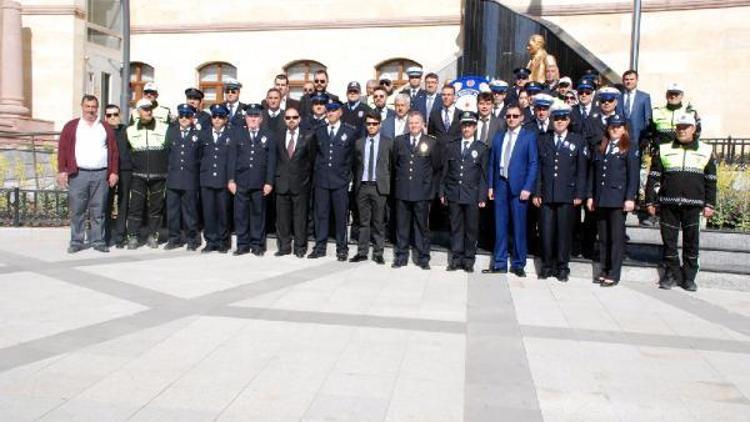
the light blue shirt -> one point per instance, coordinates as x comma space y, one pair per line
376, 140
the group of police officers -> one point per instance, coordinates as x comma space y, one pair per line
402, 161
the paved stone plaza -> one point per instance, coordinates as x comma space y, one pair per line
150, 335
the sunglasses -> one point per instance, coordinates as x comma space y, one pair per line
378, 96
384, 82
523, 78
512, 116
308, 91
559, 118
112, 114
564, 85
319, 81
185, 116
673, 93
219, 117
372, 123
567, 98
291, 117
231, 91
608, 100
585, 92
150, 92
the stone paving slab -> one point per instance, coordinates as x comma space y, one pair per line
150, 335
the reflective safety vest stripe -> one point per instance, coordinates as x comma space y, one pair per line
680, 159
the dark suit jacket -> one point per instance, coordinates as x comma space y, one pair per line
640, 115
420, 104
294, 175
562, 169
438, 129
524, 161
275, 124
464, 178
252, 164
184, 158
213, 167
305, 103
383, 167
334, 157
239, 116
416, 171
290, 102
496, 125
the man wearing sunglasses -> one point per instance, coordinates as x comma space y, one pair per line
584, 108
232, 89
118, 234
320, 87
512, 172
379, 97
194, 98
521, 75
160, 113
317, 117
294, 159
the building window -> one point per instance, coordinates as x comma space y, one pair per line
140, 74
211, 79
395, 70
300, 72
104, 23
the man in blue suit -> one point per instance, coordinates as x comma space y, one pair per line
511, 175
636, 106
430, 100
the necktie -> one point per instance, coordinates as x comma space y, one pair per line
371, 162
466, 149
446, 119
290, 147
216, 136
485, 127
506, 154
496, 111
584, 111
559, 140
253, 134
430, 101
184, 133
413, 143
628, 98
413, 93
331, 134
610, 147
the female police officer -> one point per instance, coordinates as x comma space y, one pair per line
612, 190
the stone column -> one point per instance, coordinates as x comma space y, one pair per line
11, 62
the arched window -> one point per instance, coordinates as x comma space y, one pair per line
300, 72
140, 74
395, 70
211, 78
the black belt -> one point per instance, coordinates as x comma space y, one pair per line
370, 183
99, 169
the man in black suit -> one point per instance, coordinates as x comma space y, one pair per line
499, 90
487, 124
312, 121
273, 115
416, 163
379, 96
444, 122
372, 185
281, 82
334, 153
584, 108
293, 177
320, 84
430, 101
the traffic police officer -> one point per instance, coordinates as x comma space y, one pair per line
183, 147
416, 164
464, 188
160, 113
664, 118
560, 185
202, 119
612, 190
334, 146
682, 181
215, 145
251, 169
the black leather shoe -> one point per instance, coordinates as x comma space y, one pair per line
280, 253
690, 286
121, 244
192, 247
494, 270
101, 248
397, 264
451, 267
315, 255
341, 258
358, 258
562, 276
172, 245
544, 274
208, 248
469, 268
425, 266
258, 252
667, 283
300, 254
519, 272
609, 283
75, 248
378, 260
241, 251
223, 249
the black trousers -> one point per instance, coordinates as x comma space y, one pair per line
672, 219
327, 200
464, 222
117, 232
291, 221
533, 239
611, 226
250, 219
556, 229
182, 214
146, 195
412, 215
215, 204
371, 210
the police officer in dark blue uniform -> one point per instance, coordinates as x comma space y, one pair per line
215, 145
202, 119
236, 108
560, 185
416, 168
521, 79
612, 190
354, 109
251, 168
317, 117
334, 157
464, 188
184, 148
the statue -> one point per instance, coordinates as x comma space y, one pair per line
539, 60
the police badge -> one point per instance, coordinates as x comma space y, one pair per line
361, 114
263, 140
198, 126
343, 137
423, 147
195, 138
474, 154
572, 147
